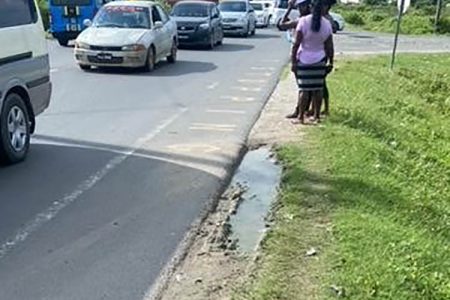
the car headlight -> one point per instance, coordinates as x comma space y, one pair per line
243, 19
134, 47
204, 26
81, 45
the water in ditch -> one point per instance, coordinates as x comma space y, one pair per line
261, 176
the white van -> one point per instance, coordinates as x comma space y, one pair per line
25, 86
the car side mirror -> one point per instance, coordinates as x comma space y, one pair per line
159, 25
87, 23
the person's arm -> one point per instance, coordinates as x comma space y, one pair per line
329, 50
291, 6
287, 25
284, 23
294, 50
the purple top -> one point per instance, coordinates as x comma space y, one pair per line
312, 48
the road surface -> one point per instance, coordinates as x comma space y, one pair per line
121, 165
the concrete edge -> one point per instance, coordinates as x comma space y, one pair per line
156, 290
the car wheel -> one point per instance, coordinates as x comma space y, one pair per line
151, 60
247, 30
85, 67
14, 130
63, 42
172, 58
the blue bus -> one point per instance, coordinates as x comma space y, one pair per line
67, 16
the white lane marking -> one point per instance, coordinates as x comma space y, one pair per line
53, 70
247, 89
245, 80
238, 99
262, 74
263, 68
226, 111
48, 214
271, 60
213, 127
212, 85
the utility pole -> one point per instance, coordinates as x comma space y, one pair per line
397, 32
438, 15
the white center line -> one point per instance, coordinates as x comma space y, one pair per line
48, 214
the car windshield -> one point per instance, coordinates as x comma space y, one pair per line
257, 6
123, 17
190, 10
233, 6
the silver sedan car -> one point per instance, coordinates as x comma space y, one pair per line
127, 34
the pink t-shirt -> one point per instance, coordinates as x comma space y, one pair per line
312, 48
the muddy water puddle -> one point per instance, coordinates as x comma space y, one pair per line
260, 175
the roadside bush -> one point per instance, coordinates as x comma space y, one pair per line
444, 25
414, 24
355, 18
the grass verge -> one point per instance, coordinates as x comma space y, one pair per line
383, 18
370, 190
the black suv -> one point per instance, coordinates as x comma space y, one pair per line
198, 23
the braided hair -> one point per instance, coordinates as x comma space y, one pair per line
317, 15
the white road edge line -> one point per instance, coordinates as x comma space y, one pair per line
47, 215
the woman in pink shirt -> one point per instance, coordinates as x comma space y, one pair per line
312, 55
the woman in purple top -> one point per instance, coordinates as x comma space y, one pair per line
312, 51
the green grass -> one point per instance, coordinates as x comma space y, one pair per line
376, 176
383, 19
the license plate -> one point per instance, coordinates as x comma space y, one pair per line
105, 56
226, 26
183, 37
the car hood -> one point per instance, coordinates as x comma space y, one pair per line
232, 14
190, 19
111, 36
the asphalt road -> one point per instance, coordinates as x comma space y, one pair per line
124, 162
121, 165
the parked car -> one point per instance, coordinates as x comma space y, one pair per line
269, 7
238, 17
127, 34
262, 15
25, 86
338, 22
198, 23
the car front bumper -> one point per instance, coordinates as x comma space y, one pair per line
235, 28
129, 59
199, 37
